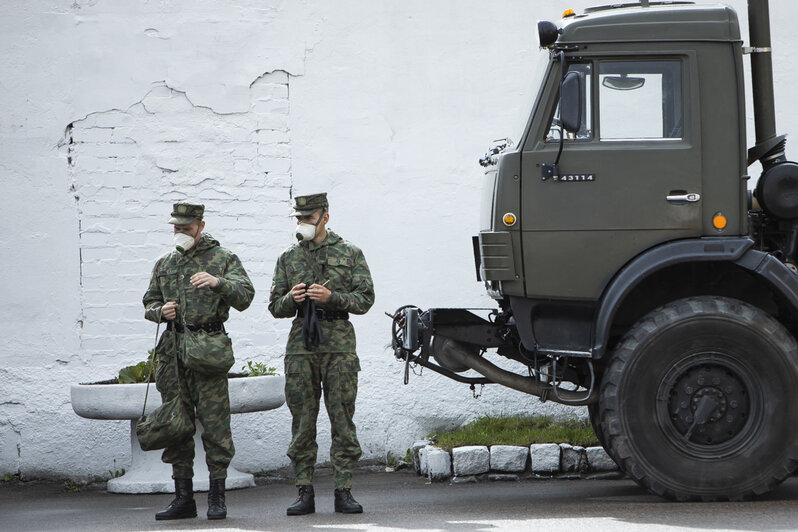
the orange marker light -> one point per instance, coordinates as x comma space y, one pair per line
719, 221
568, 13
509, 219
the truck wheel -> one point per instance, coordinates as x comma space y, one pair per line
698, 401
593, 412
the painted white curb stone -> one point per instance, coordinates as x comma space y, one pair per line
422, 460
147, 474
509, 458
599, 460
417, 446
545, 458
573, 459
436, 463
470, 460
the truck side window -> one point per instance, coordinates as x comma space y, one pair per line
586, 131
640, 100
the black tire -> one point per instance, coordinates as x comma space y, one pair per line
595, 420
738, 361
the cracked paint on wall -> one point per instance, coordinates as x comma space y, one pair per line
129, 166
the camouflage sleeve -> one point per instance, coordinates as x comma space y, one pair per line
235, 287
281, 304
153, 298
360, 299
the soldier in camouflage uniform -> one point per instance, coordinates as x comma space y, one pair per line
333, 274
192, 288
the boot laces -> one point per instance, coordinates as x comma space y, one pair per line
304, 493
216, 496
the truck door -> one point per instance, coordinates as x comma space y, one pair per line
628, 180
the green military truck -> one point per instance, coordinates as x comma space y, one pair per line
633, 271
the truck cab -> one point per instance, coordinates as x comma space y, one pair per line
623, 186
633, 271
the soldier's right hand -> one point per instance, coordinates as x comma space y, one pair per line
169, 310
298, 292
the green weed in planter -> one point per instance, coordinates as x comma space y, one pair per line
137, 373
256, 369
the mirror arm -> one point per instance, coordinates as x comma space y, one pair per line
559, 152
564, 71
552, 170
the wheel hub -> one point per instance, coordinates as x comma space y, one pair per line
728, 398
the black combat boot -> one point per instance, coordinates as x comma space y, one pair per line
345, 503
183, 506
216, 506
304, 504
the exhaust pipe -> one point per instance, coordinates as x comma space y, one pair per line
459, 356
769, 148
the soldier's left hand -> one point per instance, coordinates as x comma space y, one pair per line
203, 279
319, 293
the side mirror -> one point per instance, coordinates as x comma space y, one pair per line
571, 102
548, 33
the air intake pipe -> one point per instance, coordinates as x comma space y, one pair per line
769, 148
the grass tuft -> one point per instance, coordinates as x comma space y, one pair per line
518, 430
10, 478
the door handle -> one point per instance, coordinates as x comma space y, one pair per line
691, 197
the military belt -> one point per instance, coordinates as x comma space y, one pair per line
331, 315
213, 326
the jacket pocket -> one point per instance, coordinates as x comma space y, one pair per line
339, 272
168, 282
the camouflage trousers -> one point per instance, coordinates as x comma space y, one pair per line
208, 400
306, 376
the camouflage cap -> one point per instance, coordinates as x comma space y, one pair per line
307, 205
184, 212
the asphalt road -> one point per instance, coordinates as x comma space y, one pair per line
403, 501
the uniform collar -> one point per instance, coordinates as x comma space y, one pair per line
331, 239
205, 242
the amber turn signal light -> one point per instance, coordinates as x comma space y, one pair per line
719, 221
509, 219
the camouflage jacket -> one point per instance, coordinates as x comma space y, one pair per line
170, 282
344, 268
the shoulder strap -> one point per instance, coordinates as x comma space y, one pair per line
152, 362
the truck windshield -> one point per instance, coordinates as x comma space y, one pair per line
529, 97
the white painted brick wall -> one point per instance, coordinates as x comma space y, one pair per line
178, 151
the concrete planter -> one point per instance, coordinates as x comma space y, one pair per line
147, 474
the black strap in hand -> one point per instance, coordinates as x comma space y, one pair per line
311, 326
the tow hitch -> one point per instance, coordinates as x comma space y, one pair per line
457, 340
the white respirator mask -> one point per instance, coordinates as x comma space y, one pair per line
183, 242
305, 231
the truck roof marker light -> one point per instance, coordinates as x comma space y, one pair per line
719, 221
509, 219
548, 33
568, 13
